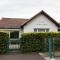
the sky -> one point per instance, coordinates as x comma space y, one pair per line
28, 8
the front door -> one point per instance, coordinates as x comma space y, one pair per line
14, 44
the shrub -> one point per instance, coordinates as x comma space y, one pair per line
38, 42
57, 44
3, 42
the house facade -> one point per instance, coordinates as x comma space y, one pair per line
41, 22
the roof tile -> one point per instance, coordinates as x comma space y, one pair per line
12, 22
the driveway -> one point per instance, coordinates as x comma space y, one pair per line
28, 56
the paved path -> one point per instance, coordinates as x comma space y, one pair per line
28, 56
57, 58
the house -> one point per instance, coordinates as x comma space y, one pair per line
41, 22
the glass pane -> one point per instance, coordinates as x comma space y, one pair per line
35, 30
14, 34
41, 30
47, 30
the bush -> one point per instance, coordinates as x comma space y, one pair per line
38, 42
57, 44
3, 42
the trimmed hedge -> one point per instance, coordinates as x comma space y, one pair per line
3, 42
57, 44
38, 42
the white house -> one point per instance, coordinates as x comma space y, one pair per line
41, 22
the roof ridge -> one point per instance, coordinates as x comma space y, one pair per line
14, 18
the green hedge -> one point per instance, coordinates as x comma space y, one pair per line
3, 42
38, 42
57, 44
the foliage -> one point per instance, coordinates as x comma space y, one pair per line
3, 42
38, 42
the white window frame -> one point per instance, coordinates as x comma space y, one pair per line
45, 29
13, 38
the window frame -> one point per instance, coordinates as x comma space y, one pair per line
45, 29
13, 37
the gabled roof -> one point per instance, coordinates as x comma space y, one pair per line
12, 22
44, 13
21, 22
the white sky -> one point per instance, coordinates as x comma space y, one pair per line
28, 8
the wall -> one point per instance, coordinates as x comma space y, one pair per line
40, 21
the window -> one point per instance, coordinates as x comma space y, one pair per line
14, 34
41, 30
35, 30
47, 30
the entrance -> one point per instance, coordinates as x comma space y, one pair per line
14, 44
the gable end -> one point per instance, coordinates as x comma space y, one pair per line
44, 13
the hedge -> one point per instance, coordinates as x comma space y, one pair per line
38, 42
3, 42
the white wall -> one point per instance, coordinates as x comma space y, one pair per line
40, 21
